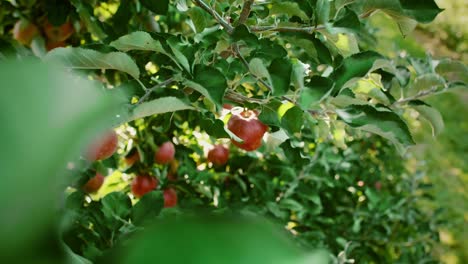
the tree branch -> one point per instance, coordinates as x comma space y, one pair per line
215, 15
150, 90
245, 11
239, 98
423, 93
246, 64
308, 30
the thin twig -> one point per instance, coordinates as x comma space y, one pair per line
215, 15
239, 98
308, 30
245, 12
423, 93
150, 90
246, 64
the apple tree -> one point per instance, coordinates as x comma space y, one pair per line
276, 109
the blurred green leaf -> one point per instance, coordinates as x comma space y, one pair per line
58, 112
78, 58
157, 6
148, 208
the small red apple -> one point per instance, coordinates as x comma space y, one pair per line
143, 184
378, 185
170, 198
93, 184
103, 147
52, 45
132, 158
165, 153
24, 32
227, 106
219, 155
248, 128
58, 33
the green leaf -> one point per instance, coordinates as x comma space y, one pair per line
423, 11
381, 121
199, 18
64, 111
57, 11
148, 208
210, 82
269, 114
78, 58
242, 33
349, 21
137, 40
227, 240
280, 72
298, 73
426, 82
140, 40
85, 12
157, 6
322, 11
404, 12
159, 106
214, 128
179, 56
430, 114
292, 120
357, 65
453, 70
315, 91
258, 68
288, 8
116, 205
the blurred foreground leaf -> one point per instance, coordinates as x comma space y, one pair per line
47, 115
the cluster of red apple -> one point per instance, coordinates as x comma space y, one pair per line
24, 32
244, 125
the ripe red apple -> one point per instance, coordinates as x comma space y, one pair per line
248, 128
165, 153
132, 158
52, 45
59, 33
24, 32
227, 106
172, 173
93, 184
143, 184
219, 155
378, 185
103, 147
170, 198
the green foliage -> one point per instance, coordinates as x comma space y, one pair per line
330, 167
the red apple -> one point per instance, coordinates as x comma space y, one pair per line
248, 128
170, 198
219, 155
103, 147
143, 184
58, 33
52, 45
132, 158
24, 32
93, 184
165, 153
